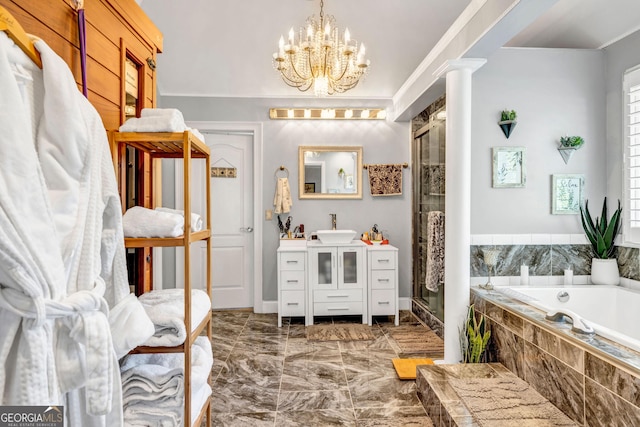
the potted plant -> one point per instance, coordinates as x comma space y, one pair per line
574, 142
474, 337
507, 121
602, 234
568, 145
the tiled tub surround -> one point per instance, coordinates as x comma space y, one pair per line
592, 380
547, 263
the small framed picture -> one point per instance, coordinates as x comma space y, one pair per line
309, 187
566, 194
509, 167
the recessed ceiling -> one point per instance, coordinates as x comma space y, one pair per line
224, 48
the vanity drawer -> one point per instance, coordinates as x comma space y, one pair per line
337, 295
292, 303
337, 308
292, 261
383, 260
383, 279
292, 280
383, 302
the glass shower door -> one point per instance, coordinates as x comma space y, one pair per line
428, 154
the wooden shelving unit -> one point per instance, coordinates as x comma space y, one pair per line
161, 145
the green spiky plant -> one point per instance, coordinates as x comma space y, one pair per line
601, 232
474, 337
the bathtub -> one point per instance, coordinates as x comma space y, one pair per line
613, 311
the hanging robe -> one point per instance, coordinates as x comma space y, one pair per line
62, 258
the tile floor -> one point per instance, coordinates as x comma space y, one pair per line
270, 376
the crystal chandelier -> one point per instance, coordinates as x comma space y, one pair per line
321, 58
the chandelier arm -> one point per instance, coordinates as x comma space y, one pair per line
293, 67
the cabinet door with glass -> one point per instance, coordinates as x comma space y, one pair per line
350, 268
324, 268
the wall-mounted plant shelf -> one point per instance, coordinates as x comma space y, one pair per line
568, 146
566, 153
507, 126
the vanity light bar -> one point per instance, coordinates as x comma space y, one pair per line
327, 113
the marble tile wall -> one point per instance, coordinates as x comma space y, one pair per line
420, 309
589, 387
550, 260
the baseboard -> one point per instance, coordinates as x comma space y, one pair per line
272, 306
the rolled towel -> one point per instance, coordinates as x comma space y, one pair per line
153, 124
142, 222
196, 220
129, 312
165, 308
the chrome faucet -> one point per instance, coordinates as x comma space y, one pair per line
333, 221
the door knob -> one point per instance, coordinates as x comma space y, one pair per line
247, 229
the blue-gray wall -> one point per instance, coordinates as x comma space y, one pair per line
382, 142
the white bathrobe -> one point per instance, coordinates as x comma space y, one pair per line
62, 260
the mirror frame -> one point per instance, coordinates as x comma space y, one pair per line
326, 149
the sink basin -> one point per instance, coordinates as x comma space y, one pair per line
336, 236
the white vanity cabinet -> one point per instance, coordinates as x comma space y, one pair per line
292, 282
337, 280
382, 276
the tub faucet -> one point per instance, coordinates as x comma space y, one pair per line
579, 325
333, 221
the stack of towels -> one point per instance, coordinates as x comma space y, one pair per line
165, 308
153, 386
159, 222
158, 120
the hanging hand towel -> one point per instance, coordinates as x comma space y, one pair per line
434, 276
385, 180
282, 199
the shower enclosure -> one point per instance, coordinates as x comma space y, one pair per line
428, 158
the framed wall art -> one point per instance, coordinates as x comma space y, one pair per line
509, 167
566, 194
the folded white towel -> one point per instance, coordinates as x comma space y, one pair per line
153, 385
196, 220
142, 222
129, 312
154, 371
172, 114
199, 397
153, 124
165, 308
197, 134
151, 415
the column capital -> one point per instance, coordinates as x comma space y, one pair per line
459, 64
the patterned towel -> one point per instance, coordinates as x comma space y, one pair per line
434, 276
385, 180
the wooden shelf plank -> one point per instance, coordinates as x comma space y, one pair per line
143, 242
162, 144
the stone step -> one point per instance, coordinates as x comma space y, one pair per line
483, 394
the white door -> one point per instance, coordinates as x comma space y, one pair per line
231, 222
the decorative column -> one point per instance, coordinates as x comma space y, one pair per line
457, 200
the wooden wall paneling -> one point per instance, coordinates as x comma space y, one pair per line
109, 111
140, 23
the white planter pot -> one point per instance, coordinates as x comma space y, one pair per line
604, 272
